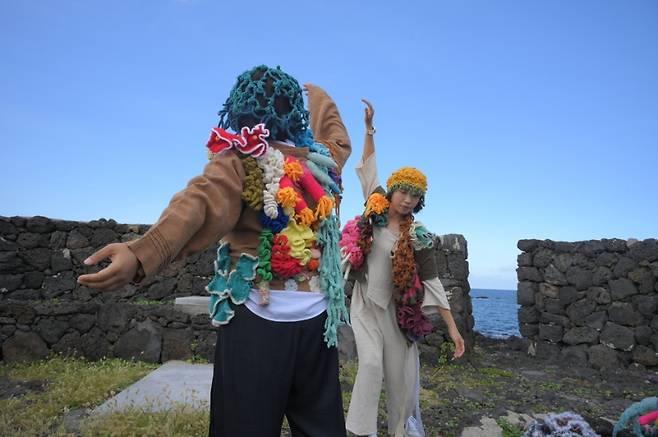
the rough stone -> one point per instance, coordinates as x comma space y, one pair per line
567, 295
553, 276
542, 258
103, 236
525, 294
528, 274
22, 312
25, 294
624, 314
51, 330
10, 282
29, 240
581, 335
457, 266
39, 224
10, 262
599, 295
38, 258
549, 332
59, 284
606, 259
529, 330
574, 355
623, 266
7, 228
618, 337
524, 259
553, 306
577, 311
76, 240
597, 320
645, 356
554, 319
60, 260
579, 277
563, 261
176, 344
644, 250
644, 278
614, 244
162, 289
82, 322
602, 357
622, 288
643, 335
69, 344
601, 276
527, 245
565, 247
528, 315
94, 345
143, 342
33, 279
549, 290
114, 316
24, 346
646, 305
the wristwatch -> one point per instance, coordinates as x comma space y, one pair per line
371, 130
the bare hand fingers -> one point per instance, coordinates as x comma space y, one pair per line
94, 279
100, 255
369, 105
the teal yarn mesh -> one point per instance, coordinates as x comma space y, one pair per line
331, 279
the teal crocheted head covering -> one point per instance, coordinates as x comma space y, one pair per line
271, 96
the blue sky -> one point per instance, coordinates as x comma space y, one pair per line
532, 119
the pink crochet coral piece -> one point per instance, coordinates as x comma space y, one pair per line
349, 243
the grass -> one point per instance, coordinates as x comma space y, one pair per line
65, 384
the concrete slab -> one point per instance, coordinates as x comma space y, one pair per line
173, 384
192, 305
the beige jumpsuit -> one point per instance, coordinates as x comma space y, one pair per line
383, 351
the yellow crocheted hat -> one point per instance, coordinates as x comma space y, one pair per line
408, 178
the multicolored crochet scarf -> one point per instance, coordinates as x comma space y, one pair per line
356, 243
298, 242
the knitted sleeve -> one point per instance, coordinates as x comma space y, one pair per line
435, 296
327, 126
202, 213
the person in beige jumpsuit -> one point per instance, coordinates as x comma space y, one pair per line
383, 350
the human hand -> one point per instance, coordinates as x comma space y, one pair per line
307, 87
121, 270
457, 339
369, 113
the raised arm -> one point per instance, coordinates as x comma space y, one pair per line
369, 141
327, 125
206, 210
366, 169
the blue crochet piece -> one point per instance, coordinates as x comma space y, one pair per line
234, 286
631, 416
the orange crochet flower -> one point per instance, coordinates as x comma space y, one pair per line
377, 203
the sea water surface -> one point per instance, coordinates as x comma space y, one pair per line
495, 312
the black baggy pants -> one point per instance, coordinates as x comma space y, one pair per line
265, 370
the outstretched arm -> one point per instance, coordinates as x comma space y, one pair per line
369, 141
206, 210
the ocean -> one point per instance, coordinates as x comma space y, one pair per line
495, 312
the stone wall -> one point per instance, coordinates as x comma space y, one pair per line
590, 302
43, 308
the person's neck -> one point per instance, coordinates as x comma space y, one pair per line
394, 220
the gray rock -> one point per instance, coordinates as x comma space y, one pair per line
6, 245
10, 282
33, 279
553, 306
529, 330
623, 266
617, 337
542, 257
565, 247
22, 312
646, 305
457, 266
563, 261
549, 290
602, 357
579, 277
58, 240
643, 335
596, 320
579, 310
143, 342
528, 274
6, 227
567, 295
546, 350
606, 259
599, 295
592, 247
103, 236
24, 346
51, 330
205, 345
69, 344
38, 258
29, 240
622, 288
581, 335
94, 345
525, 294
115, 316
552, 333
644, 250
554, 319
60, 260
25, 294
59, 284
574, 355
644, 278
82, 322
10, 262
65, 225
76, 240
527, 245
528, 315
553, 276
524, 259
39, 224
176, 344
645, 356
441, 263
624, 314
162, 289
601, 276
614, 245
